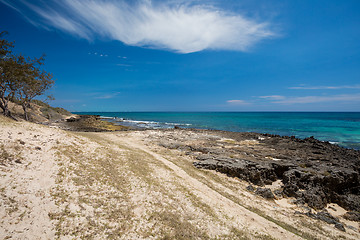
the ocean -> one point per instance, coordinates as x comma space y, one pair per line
342, 128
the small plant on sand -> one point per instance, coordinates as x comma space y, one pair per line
4, 155
10, 153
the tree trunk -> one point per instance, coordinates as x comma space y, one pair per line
4, 106
6, 111
24, 106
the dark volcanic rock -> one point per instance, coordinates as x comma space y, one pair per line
265, 193
326, 217
336, 184
251, 188
247, 170
340, 226
314, 172
278, 193
72, 119
352, 216
352, 201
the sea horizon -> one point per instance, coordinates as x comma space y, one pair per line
80, 112
341, 128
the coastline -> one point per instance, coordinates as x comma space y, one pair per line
336, 127
143, 184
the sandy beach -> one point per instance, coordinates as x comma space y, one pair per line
179, 119
127, 185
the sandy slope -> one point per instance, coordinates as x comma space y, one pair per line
27, 177
122, 185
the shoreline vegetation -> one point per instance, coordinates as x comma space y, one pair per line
80, 177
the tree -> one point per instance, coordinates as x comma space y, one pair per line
32, 81
7, 83
22, 78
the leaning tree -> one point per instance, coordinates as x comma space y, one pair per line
21, 78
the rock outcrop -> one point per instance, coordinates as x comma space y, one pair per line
312, 171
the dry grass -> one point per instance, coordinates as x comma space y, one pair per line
98, 186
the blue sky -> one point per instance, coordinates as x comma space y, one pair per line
178, 55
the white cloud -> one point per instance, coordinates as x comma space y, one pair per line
237, 102
326, 87
318, 99
178, 27
107, 96
273, 97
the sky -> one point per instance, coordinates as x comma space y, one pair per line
193, 55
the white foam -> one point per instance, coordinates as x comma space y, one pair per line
178, 124
107, 117
141, 122
147, 124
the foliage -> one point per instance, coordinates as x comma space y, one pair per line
7, 86
4, 45
21, 78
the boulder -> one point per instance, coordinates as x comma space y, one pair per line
265, 193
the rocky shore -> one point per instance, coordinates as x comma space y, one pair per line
315, 173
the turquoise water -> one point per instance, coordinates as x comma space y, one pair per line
339, 128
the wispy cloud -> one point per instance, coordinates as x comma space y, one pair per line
123, 65
180, 27
318, 99
237, 102
273, 97
326, 87
107, 95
